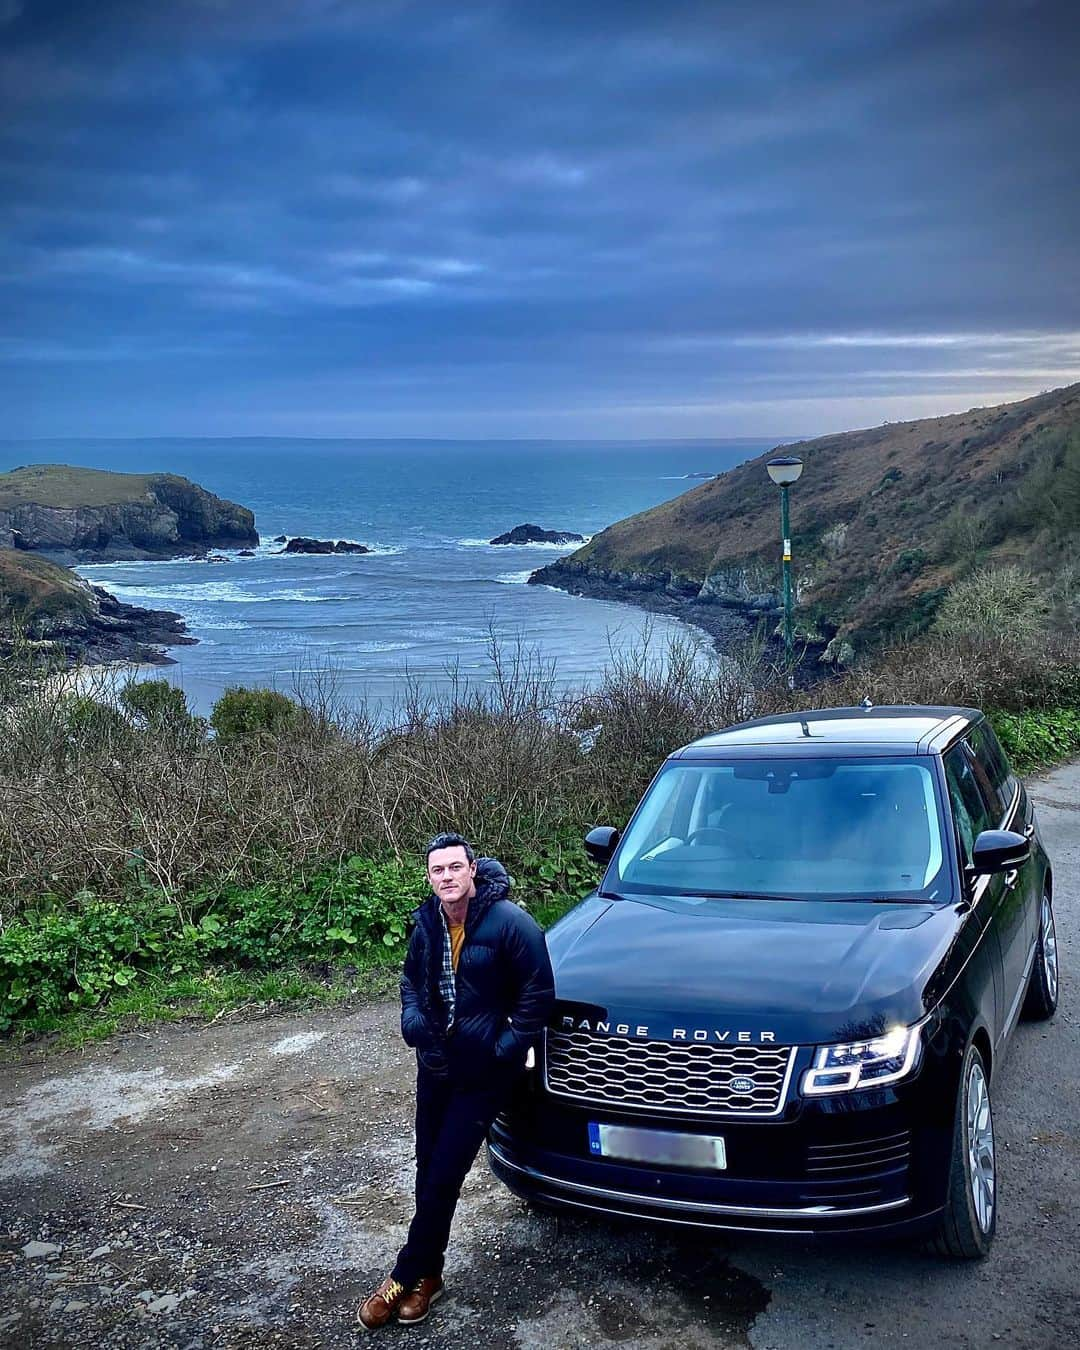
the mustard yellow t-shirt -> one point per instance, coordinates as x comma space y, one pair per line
457, 941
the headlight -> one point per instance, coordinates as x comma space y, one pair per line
864, 1064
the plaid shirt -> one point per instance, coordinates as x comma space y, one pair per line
447, 986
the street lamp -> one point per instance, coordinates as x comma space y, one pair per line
785, 470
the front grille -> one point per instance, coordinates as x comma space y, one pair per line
661, 1076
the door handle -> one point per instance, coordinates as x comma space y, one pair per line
1011, 878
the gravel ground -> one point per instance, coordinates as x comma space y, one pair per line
244, 1183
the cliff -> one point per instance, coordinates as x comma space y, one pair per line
43, 601
75, 515
882, 522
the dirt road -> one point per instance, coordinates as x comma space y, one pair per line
243, 1183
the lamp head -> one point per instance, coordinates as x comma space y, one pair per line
785, 469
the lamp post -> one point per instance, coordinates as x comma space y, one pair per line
784, 471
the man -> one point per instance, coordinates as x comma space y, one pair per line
476, 991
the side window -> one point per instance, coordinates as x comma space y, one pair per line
972, 812
991, 767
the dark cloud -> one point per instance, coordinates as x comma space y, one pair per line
534, 218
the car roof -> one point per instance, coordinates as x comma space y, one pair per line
900, 729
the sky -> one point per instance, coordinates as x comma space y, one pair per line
488, 218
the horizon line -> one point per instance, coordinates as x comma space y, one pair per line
424, 440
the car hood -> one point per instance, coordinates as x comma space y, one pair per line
805, 971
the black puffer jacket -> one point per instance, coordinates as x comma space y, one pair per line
504, 988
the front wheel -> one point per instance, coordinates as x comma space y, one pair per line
1042, 995
970, 1218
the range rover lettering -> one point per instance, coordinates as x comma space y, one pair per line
784, 1007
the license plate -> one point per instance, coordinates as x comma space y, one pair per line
657, 1146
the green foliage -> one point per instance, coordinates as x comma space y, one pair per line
995, 604
888, 478
908, 562
91, 721
1035, 739
159, 707
243, 713
62, 957
1047, 497
556, 867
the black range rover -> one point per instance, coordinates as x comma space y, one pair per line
784, 1007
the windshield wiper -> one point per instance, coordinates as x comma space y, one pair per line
737, 895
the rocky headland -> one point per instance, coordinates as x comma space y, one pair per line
43, 602
75, 515
883, 521
535, 534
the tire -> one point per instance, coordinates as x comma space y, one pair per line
1042, 995
970, 1219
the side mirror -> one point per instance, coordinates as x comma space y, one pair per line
999, 851
601, 843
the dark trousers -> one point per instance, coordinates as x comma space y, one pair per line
451, 1124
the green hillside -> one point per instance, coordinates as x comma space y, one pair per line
883, 520
38, 594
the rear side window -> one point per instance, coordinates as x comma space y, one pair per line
973, 812
990, 762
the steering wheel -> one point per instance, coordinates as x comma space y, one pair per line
716, 834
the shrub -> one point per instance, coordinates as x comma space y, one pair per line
91, 721
1035, 739
157, 705
240, 713
994, 604
75, 956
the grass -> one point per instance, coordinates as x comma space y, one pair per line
65, 486
207, 996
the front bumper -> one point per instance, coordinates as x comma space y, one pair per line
875, 1160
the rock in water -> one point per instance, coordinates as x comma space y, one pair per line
534, 534
301, 544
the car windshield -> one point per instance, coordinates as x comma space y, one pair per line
806, 829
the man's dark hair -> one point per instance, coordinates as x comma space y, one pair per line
450, 840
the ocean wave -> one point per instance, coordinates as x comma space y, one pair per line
515, 578
189, 560
219, 592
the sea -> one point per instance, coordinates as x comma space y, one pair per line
423, 608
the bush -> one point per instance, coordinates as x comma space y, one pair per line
91, 721
1033, 740
242, 713
995, 604
159, 707
75, 956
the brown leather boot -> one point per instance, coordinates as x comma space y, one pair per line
416, 1304
378, 1308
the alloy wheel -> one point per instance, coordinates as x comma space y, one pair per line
979, 1128
1049, 946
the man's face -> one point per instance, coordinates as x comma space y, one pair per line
451, 876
